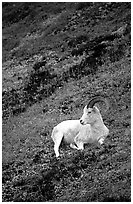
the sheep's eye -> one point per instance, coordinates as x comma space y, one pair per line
89, 112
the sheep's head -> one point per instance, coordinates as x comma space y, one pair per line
91, 113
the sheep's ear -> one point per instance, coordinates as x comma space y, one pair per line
95, 109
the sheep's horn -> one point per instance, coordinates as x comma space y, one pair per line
98, 99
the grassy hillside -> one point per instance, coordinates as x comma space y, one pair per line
55, 57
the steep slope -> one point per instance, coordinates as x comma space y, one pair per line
55, 57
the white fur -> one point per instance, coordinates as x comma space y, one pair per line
76, 134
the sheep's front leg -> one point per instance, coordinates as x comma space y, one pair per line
79, 142
73, 146
80, 145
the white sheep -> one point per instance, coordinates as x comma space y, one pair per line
90, 128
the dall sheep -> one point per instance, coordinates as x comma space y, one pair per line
90, 128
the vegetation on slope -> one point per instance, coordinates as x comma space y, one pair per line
55, 57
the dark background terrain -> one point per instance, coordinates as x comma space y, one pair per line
56, 56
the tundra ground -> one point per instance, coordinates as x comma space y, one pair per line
56, 56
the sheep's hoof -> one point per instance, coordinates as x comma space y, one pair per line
57, 156
101, 141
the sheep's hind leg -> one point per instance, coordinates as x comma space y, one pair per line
57, 141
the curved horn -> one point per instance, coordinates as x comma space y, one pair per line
97, 99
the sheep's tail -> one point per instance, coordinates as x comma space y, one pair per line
56, 135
